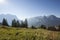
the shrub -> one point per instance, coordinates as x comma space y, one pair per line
52, 28
33, 27
43, 27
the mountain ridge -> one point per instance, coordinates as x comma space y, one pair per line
51, 20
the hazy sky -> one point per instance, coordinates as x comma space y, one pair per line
30, 8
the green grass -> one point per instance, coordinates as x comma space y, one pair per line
7, 33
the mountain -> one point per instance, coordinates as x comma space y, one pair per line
9, 18
44, 20
35, 21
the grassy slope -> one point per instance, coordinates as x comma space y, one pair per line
27, 34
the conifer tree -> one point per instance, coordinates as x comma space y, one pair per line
18, 23
4, 22
26, 23
14, 23
22, 24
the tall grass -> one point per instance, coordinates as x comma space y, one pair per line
7, 33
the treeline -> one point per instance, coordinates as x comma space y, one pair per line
24, 24
15, 23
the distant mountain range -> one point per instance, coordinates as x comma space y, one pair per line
35, 21
44, 20
9, 17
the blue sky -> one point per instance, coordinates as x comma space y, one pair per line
30, 8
